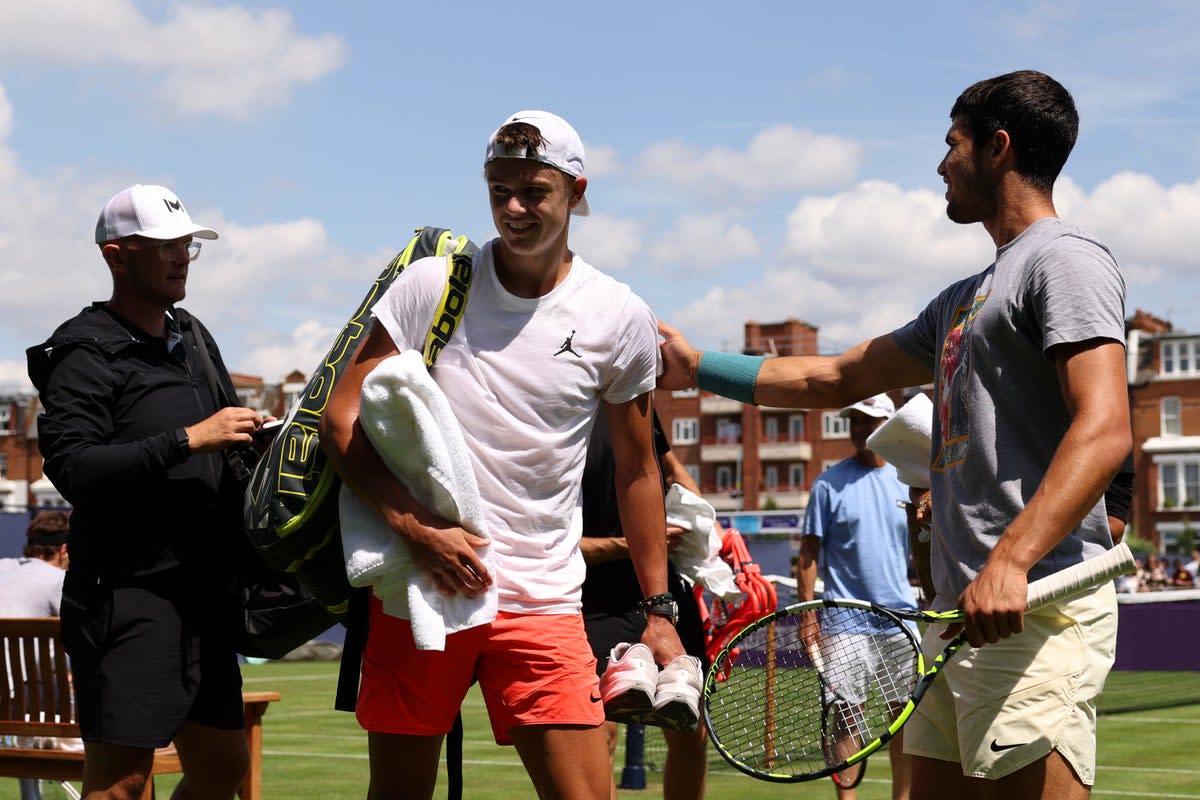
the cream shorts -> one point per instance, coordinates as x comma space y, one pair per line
1003, 706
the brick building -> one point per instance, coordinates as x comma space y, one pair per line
747, 457
1164, 398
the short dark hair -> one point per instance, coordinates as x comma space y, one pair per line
47, 532
1037, 112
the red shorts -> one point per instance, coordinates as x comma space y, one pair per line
534, 669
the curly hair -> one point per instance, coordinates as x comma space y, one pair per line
47, 532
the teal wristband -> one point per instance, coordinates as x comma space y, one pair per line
731, 375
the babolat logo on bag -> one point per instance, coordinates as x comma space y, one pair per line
291, 510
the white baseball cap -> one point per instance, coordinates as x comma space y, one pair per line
878, 406
151, 211
563, 149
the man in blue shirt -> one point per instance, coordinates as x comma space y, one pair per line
856, 537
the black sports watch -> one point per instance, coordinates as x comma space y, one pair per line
182, 443
661, 605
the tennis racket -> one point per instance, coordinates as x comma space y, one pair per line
815, 688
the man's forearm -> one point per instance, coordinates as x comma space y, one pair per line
644, 522
812, 381
806, 568
601, 549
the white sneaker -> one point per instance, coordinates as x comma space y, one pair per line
628, 683
677, 695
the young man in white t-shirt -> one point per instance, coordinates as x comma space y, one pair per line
546, 338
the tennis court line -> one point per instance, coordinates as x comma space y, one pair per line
1154, 795
281, 678
474, 762
1172, 720
1172, 770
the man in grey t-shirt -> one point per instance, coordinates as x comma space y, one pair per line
31, 586
1032, 421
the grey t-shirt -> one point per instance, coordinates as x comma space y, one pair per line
999, 413
30, 587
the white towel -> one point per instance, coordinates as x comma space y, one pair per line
698, 554
904, 441
409, 421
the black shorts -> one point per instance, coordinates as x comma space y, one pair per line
142, 666
605, 631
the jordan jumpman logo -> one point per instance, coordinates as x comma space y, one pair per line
566, 346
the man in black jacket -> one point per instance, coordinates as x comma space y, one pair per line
132, 436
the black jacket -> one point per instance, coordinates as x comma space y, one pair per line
113, 398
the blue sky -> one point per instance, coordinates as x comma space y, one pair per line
759, 161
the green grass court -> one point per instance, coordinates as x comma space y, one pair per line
315, 753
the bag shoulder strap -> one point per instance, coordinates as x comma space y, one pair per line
188, 325
452, 307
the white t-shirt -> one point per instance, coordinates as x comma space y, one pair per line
525, 377
30, 587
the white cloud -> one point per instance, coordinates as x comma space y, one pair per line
302, 349
602, 160
779, 158
253, 287
878, 232
14, 377
1147, 225
607, 241
6, 115
859, 263
703, 241
227, 61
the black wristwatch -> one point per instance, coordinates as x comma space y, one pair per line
662, 605
182, 443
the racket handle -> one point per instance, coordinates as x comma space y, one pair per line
1081, 577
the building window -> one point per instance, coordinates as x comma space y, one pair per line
771, 429
1179, 482
724, 479
686, 393
694, 471
685, 430
796, 427
1170, 417
3, 466
834, 426
771, 478
5, 419
798, 476
728, 431
1178, 358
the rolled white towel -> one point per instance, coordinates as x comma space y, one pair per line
905, 441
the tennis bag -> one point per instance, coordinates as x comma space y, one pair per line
291, 509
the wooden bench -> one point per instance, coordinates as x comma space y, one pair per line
36, 700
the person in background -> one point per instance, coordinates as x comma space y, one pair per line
856, 537
31, 586
611, 593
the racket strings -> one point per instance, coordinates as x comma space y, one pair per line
798, 700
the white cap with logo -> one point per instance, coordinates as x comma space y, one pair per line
878, 406
563, 149
150, 211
